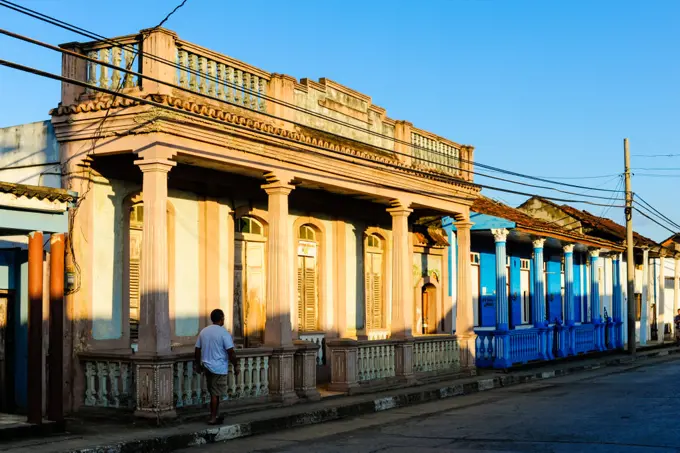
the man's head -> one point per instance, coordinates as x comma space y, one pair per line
679, 311
217, 317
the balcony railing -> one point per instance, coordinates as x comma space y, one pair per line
171, 66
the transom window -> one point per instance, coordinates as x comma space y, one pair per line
524, 264
373, 241
474, 258
249, 225
307, 233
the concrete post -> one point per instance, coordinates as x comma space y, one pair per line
402, 265
567, 345
160, 43
661, 302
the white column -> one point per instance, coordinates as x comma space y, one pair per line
661, 300
644, 310
502, 312
538, 297
569, 284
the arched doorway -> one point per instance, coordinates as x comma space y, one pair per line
429, 309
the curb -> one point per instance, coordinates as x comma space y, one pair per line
411, 396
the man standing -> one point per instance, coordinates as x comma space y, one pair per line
677, 327
213, 347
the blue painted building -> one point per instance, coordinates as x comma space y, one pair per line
537, 288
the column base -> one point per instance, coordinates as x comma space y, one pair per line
343, 358
155, 395
403, 363
282, 375
468, 353
305, 370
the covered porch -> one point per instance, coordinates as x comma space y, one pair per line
33, 223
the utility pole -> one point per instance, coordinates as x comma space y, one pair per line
630, 263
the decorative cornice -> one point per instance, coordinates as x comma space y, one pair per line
209, 111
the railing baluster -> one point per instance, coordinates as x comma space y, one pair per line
115, 77
193, 63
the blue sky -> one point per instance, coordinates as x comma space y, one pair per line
546, 88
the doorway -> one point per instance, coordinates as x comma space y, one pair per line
429, 309
525, 288
7, 402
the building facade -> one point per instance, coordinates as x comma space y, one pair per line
297, 207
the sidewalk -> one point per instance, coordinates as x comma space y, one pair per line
99, 437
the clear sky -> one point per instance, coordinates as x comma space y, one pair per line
546, 88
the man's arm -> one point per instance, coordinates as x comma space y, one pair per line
197, 359
232, 358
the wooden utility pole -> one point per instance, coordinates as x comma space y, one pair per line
630, 263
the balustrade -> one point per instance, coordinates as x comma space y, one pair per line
375, 361
584, 338
435, 354
435, 153
378, 334
109, 383
320, 340
124, 55
209, 73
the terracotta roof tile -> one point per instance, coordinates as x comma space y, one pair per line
39, 192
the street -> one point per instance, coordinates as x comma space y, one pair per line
607, 410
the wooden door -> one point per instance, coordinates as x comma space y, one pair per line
254, 292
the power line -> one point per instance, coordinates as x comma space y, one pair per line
92, 35
649, 206
652, 175
653, 220
128, 71
217, 121
656, 155
170, 14
657, 168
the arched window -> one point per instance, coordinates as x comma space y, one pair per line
308, 279
248, 225
374, 271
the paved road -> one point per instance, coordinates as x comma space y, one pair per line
608, 410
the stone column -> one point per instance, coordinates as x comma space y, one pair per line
278, 332
464, 309
154, 323
402, 272
567, 343
538, 298
402, 291
644, 309
55, 357
154, 368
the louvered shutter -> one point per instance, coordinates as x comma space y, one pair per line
301, 292
369, 297
374, 296
310, 294
134, 298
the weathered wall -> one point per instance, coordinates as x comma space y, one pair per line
345, 106
32, 148
550, 213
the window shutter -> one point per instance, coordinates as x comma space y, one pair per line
134, 298
310, 295
369, 298
301, 291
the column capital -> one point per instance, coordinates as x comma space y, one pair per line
538, 243
463, 225
569, 248
500, 235
399, 208
594, 253
155, 164
278, 183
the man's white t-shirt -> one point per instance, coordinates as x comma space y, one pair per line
214, 342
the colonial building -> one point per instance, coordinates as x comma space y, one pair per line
298, 207
540, 291
655, 294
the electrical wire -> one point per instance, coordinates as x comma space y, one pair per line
649, 206
436, 163
326, 151
92, 35
643, 214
